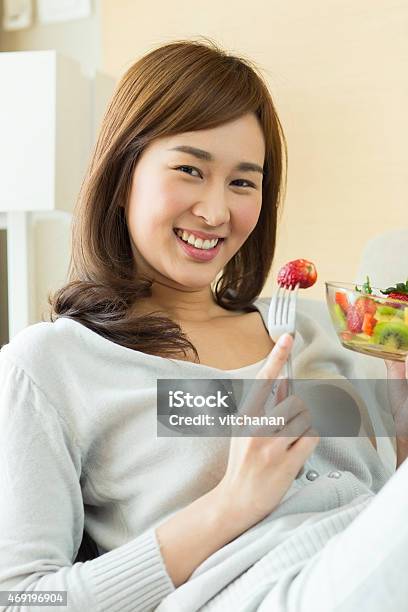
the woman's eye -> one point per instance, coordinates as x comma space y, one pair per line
187, 169
190, 169
248, 183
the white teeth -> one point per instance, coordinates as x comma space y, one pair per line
199, 243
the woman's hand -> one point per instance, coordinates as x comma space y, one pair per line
397, 375
261, 469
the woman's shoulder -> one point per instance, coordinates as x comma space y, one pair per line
30, 342
40, 347
66, 350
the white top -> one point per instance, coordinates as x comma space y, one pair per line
78, 447
249, 370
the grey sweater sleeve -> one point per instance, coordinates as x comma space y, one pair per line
42, 515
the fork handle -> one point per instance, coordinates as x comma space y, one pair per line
289, 371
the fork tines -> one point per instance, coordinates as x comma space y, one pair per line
282, 312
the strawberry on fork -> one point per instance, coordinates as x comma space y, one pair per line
298, 271
296, 274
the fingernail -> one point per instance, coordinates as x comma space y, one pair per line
284, 341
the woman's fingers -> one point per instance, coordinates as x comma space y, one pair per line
266, 383
296, 428
295, 419
303, 447
277, 358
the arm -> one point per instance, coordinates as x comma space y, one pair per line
42, 514
194, 533
397, 375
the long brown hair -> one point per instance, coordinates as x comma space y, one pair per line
182, 86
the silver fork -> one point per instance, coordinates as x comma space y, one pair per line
282, 319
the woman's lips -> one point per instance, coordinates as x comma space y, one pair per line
199, 254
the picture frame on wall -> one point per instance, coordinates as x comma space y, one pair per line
52, 11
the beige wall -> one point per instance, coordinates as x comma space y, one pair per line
337, 71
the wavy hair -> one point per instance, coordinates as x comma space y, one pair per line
184, 85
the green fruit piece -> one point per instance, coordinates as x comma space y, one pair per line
392, 335
339, 317
386, 310
388, 314
361, 338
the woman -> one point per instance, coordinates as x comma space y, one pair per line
190, 150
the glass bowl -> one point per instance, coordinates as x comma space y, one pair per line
372, 324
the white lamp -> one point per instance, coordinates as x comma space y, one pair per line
45, 137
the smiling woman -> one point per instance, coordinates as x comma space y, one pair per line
190, 150
181, 194
194, 204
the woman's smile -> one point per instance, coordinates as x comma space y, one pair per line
198, 253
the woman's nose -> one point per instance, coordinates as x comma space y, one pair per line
213, 207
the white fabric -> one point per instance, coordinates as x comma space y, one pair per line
351, 558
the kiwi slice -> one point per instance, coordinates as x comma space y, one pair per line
392, 335
388, 314
339, 317
387, 311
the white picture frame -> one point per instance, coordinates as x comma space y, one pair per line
17, 14
52, 11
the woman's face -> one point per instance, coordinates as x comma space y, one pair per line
216, 191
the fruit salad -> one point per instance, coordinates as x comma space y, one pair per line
371, 321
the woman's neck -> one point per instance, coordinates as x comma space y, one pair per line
181, 305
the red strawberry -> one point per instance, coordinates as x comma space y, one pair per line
399, 296
399, 292
298, 271
365, 304
355, 318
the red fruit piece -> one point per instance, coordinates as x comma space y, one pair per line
365, 304
399, 292
355, 319
342, 301
369, 322
299, 271
398, 296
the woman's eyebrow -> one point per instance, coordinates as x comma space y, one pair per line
206, 156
